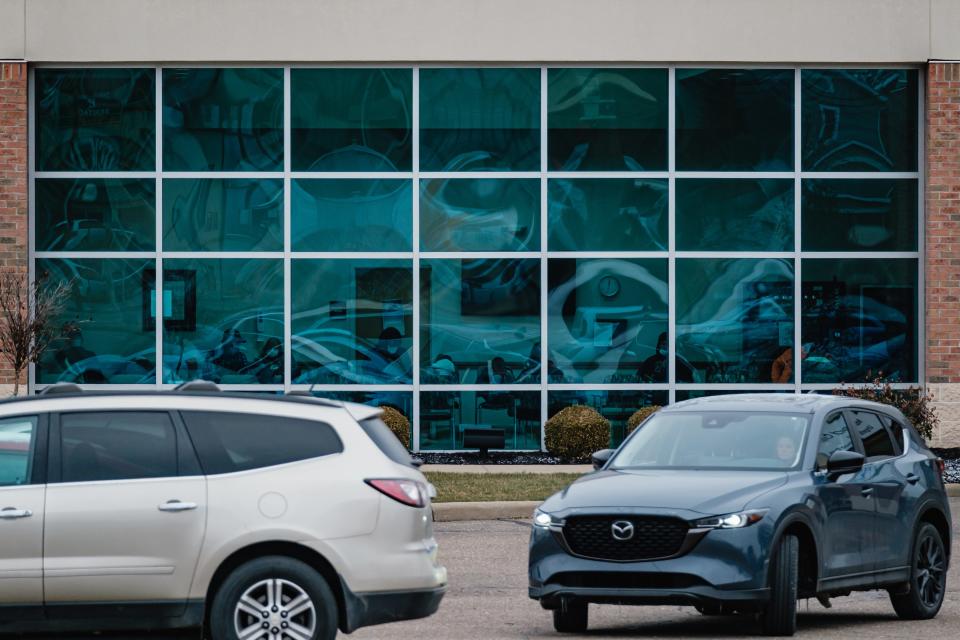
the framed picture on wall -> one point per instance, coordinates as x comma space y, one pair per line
179, 299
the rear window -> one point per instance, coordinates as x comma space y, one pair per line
386, 441
229, 442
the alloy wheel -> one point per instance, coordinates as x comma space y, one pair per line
930, 571
275, 610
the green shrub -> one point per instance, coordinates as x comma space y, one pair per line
639, 416
398, 424
913, 403
574, 433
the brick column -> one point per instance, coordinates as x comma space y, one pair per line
13, 182
943, 247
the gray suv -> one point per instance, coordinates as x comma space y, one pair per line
746, 503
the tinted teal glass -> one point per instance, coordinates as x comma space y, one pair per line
615, 406
352, 321
479, 215
101, 336
608, 214
735, 119
95, 119
734, 215
351, 119
222, 215
402, 401
605, 318
479, 119
223, 320
445, 415
480, 321
326, 215
690, 394
607, 119
860, 320
223, 119
734, 320
859, 119
859, 215
95, 214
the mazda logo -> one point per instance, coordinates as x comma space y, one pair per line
622, 530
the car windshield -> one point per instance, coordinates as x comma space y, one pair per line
716, 440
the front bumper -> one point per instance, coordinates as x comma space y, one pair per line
366, 609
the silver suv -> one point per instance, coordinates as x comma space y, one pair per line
264, 518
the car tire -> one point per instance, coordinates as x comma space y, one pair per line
571, 617
923, 596
779, 617
249, 596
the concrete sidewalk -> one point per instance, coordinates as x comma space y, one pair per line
506, 468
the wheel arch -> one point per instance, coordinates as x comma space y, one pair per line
932, 513
809, 561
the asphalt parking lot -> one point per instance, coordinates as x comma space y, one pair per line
488, 599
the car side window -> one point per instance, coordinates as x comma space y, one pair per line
17, 441
874, 436
229, 442
896, 430
117, 445
835, 436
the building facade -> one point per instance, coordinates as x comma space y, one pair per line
401, 203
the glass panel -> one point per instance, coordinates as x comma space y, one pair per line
690, 394
859, 119
859, 215
402, 401
326, 215
734, 215
607, 119
735, 119
445, 415
95, 119
608, 214
352, 321
480, 321
607, 320
223, 215
106, 333
117, 445
223, 119
95, 214
351, 119
615, 406
860, 320
479, 119
479, 215
17, 443
834, 436
232, 332
734, 320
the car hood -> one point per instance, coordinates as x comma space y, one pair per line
704, 492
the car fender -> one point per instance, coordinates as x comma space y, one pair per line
802, 514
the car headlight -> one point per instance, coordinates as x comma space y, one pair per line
731, 520
542, 519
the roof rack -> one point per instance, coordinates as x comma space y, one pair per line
61, 387
197, 385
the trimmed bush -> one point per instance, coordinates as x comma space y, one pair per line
639, 416
574, 433
398, 424
913, 403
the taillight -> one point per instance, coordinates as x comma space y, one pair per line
941, 466
408, 492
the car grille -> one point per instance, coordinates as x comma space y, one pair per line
653, 537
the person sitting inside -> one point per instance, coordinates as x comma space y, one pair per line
496, 372
656, 367
786, 450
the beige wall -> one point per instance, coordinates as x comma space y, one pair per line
480, 30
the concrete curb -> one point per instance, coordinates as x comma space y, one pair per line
456, 511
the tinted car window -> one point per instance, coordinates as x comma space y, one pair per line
228, 442
17, 436
835, 436
387, 442
896, 430
876, 439
121, 445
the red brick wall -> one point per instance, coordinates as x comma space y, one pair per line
13, 176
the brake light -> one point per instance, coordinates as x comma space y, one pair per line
941, 466
408, 492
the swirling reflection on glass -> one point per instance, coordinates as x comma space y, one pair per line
860, 215
446, 415
479, 215
734, 320
607, 320
480, 321
352, 321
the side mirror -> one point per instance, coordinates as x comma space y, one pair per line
601, 457
842, 462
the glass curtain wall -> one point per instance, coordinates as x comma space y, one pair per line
480, 247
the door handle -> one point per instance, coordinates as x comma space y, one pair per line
913, 478
12, 513
866, 492
176, 505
